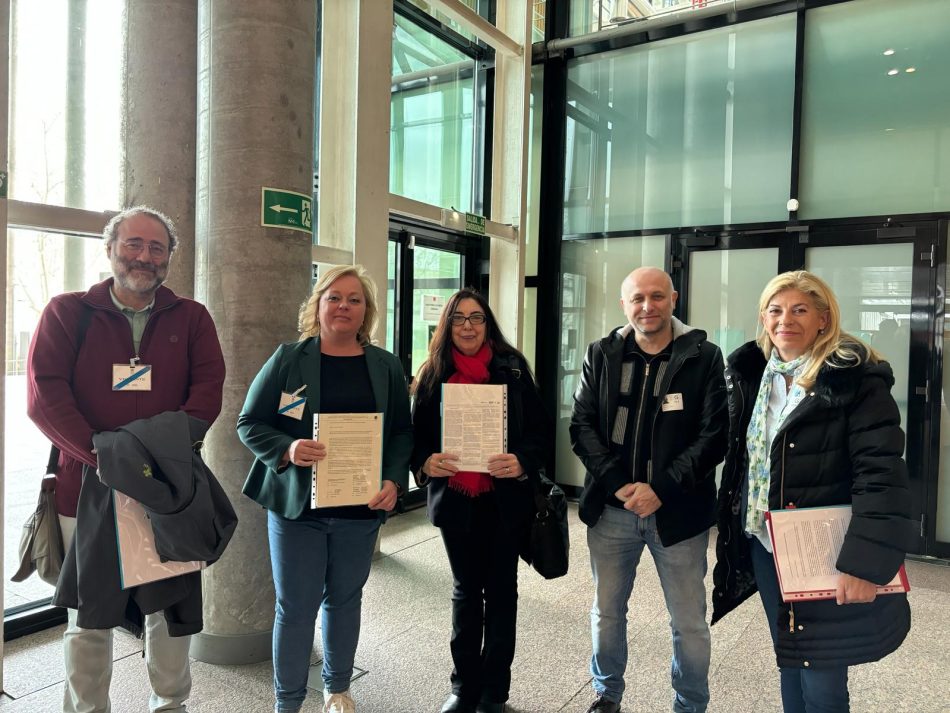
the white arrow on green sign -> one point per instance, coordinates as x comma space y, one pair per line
286, 209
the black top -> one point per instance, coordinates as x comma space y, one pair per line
344, 388
641, 375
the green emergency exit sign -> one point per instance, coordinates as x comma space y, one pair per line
286, 209
474, 224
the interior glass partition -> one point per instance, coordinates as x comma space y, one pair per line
695, 130
66, 87
591, 274
432, 143
37, 272
595, 15
875, 109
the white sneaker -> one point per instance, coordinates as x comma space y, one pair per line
338, 702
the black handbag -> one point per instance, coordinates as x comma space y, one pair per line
548, 545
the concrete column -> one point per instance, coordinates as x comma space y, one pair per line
255, 128
510, 167
356, 43
158, 166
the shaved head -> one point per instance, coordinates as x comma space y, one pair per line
647, 298
644, 274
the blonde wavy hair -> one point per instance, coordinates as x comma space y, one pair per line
833, 347
308, 320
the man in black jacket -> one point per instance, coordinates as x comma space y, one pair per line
649, 424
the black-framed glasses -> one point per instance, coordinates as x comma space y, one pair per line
137, 246
475, 318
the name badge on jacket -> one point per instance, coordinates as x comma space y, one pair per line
131, 377
291, 405
672, 402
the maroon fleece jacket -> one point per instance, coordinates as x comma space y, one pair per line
70, 396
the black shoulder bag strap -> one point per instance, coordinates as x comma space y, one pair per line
85, 317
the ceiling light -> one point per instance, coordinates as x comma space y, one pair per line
892, 72
911, 70
888, 52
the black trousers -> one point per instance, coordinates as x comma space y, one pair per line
484, 562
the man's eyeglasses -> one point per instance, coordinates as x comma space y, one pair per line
137, 246
458, 320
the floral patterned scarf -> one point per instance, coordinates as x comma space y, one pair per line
758, 445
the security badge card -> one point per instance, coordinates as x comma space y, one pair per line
672, 402
132, 376
292, 404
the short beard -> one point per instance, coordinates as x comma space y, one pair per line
140, 286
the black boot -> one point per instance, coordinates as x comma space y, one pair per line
454, 704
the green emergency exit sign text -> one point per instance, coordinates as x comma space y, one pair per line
474, 224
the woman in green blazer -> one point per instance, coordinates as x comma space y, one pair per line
321, 557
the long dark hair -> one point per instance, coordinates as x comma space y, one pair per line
438, 367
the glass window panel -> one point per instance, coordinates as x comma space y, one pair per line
724, 289
391, 271
432, 115
695, 130
534, 172
530, 325
943, 476
37, 266
595, 15
876, 110
436, 273
445, 19
873, 287
591, 273
65, 104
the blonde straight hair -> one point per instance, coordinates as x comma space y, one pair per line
308, 320
833, 347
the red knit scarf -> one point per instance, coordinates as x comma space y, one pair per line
471, 370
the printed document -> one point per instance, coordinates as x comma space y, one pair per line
806, 543
474, 423
139, 562
352, 472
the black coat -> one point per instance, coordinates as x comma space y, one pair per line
191, 516
687, 445
530, 434
842, 445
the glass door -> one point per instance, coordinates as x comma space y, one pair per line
426, 266
885, 281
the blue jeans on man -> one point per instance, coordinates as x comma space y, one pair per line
319, 564
616, 543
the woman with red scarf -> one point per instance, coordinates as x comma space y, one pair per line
483, 516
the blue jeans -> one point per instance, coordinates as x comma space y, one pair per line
616, 543
319, 564
804, 690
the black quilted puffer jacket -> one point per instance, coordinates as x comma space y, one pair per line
842, 445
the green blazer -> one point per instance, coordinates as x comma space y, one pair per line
286, 490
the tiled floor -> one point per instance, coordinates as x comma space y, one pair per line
404, 648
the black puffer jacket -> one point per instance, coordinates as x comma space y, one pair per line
842, 445
686, 444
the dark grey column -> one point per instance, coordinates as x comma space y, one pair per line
159, 125
255, 128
